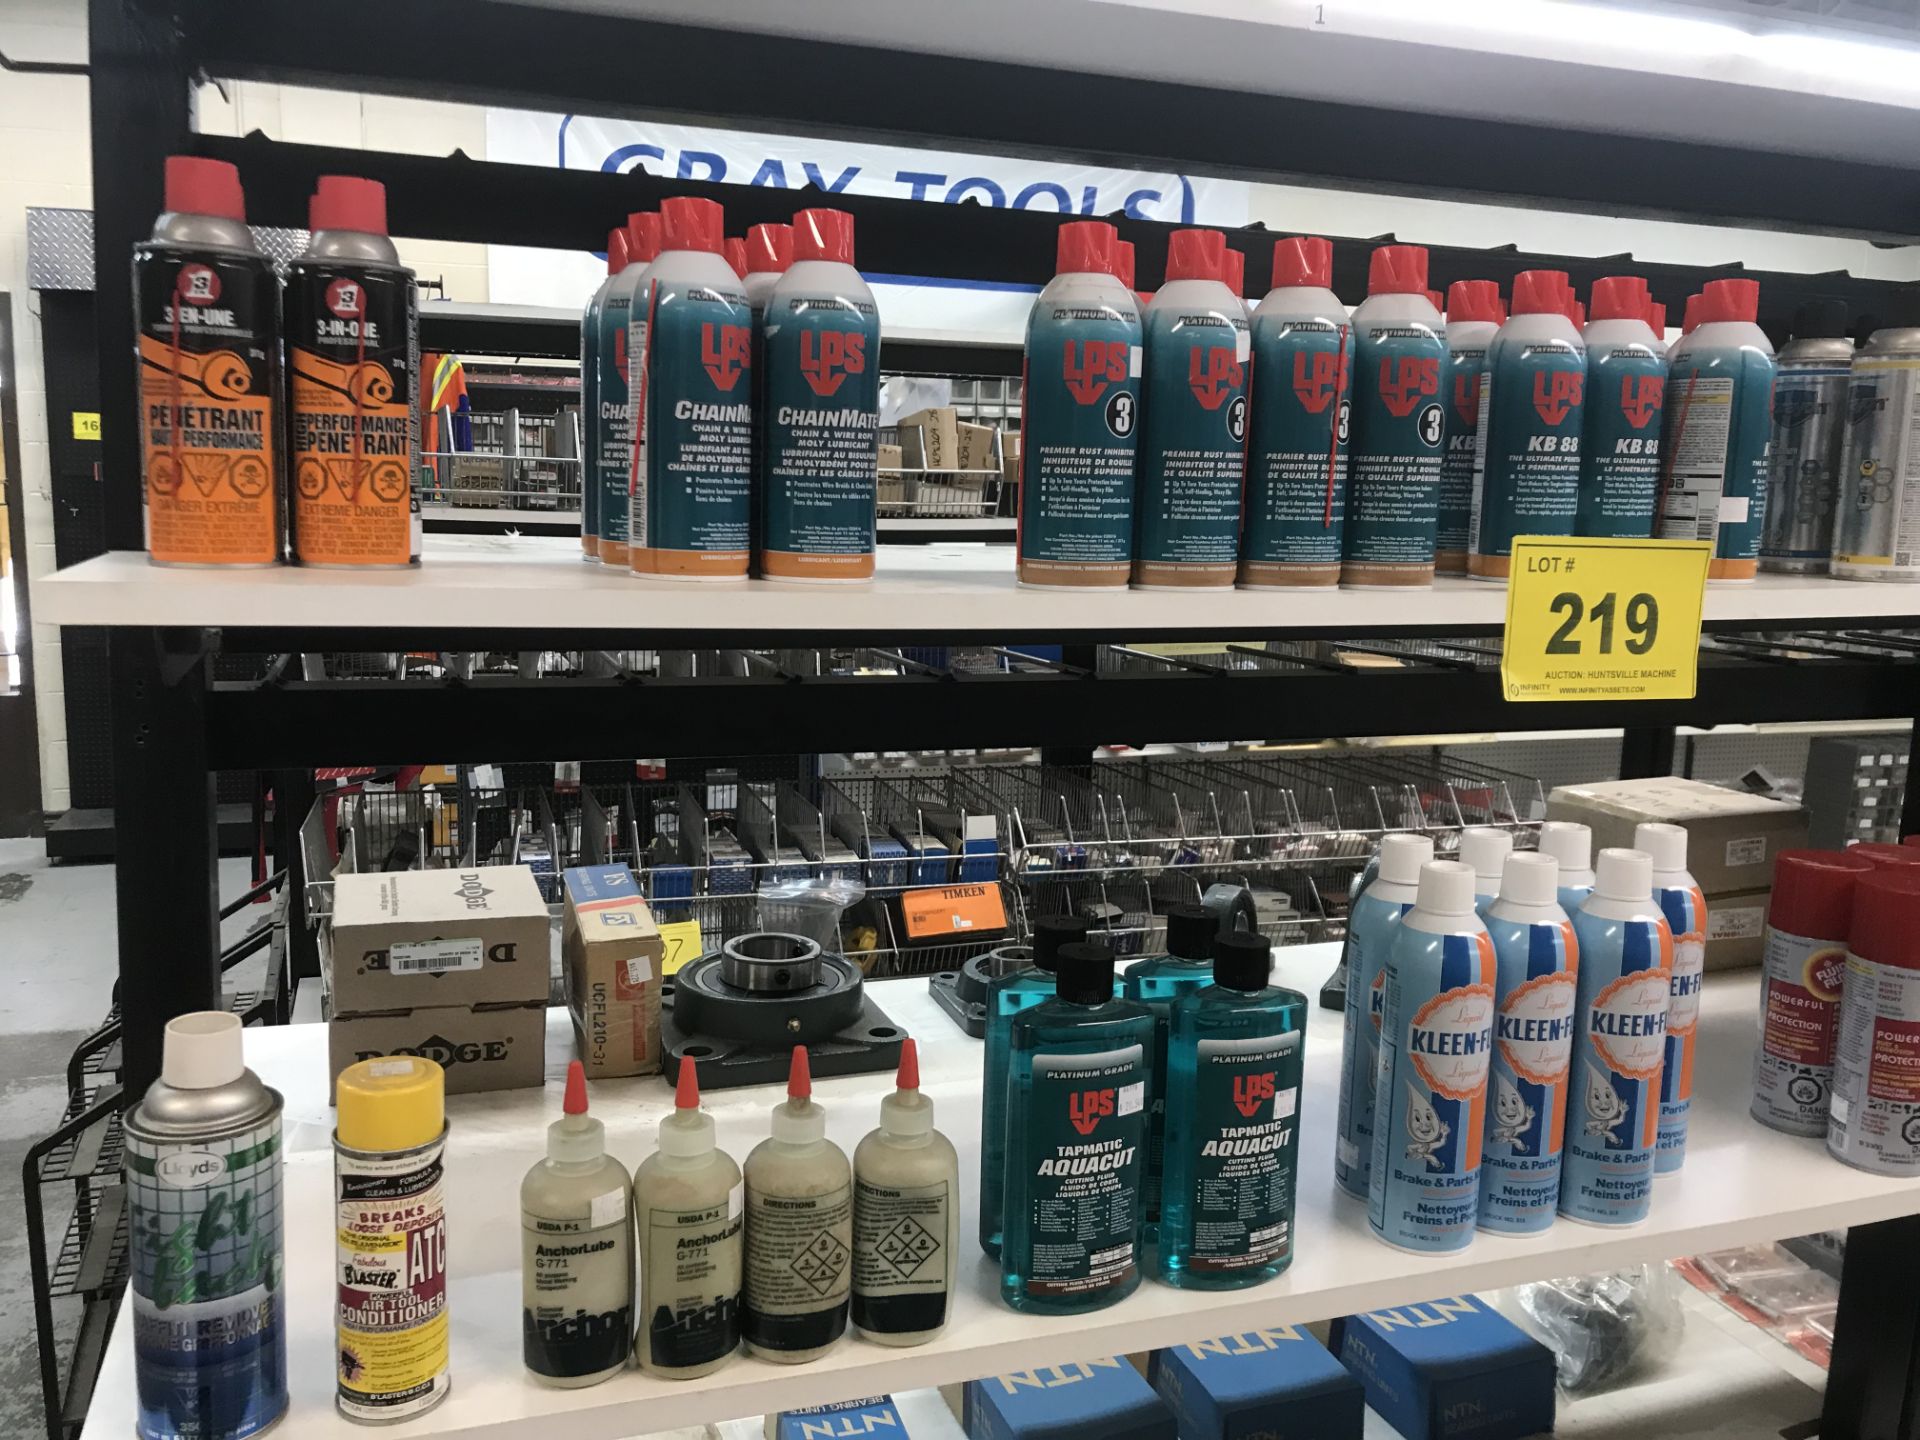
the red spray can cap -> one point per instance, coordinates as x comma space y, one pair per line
1578, 315
1085, 247
1437, 300
1398, 270
823, 235
1886, 857
769, 249
1303, 260
1620, 297
1912, 840
1474, 300
346, 202
204, 187
1886, 918
1690, 317
1196, 255
643, 237
1737, 300
1657, 317
735, 249
1540, 292
1813, 892
616, 251
1234, 275
690, 223
1123, 262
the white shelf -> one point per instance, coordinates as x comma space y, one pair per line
540, 583
1742, 1184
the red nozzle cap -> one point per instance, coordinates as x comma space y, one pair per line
616, 251
1436, 299
799, 1075
823, 235
1196, 255
686, 1095
1474, 300
1085, 247
1578, 315
1303, 260
1690, 317
1886, 917
735, 249
346, 202
204, 187
1620, 297
1397, 270
689, 223
769, 249
1234, 276
1540, 292
1886, 857
576, 1101
909, 1077
1657, 317
1123, 262
643, 237
1730, 300
1813, 892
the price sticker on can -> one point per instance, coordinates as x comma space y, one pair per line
1604, 619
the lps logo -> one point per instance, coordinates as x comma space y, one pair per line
1466, 397
1316, 379
345, 298
445, 1052
827, 357
723, 351
1404, 381
1089, 366
197, 285
1641, 396
1213, 374
1250, 1092
1555, 393
1088, 1108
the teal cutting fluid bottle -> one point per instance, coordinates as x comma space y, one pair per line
1571, 844
1626, 396
613, 456
1296, 509
1537, 959
1007, 995
1399, 425
1474, 312
1233, 1123
1484, 849
1157, 982
1680, 899
1076, 1142
590, 323
1371, 923
1193, 438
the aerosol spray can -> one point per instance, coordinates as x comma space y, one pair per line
767, 255
1296, 506
205, 1180
1877, 529
1626, 395
1809, 441
1571, 844
1484, 850
1874, 1117
353, 355
1474, 313
612, 459
207, 308
590, 423
1678, 895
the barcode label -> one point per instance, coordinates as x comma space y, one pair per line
434, 957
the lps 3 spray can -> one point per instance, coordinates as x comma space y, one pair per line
1080, 419
768, 253
1474, 313
207, 307
822, 412
1526, 457
612, 459
1719, 417
1371, 923
1626, 393
1296, 506
1873, 1119
1538, 959
1619, 1045
590, 327
1193, 446
1877, 532
1809, 441
1436, 1037
1678, 895
691, 333
353, 354
1399, 425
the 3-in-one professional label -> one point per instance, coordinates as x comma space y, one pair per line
799, 1268
1874, 1119
690, 1284
577, 1288
1087, 1130
1800, 980
900, 1260
1193, 452
1246, 1101
1399, 426
391, 1238
1297, 457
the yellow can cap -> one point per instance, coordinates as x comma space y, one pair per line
392, 1103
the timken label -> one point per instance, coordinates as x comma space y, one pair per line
391, 1278
953, 910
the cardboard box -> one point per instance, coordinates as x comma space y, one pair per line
875, 1415
481, 1047
930, 439
1736, 929
413, 939
1449, 1368
1277, 1384
1093, 1400
975, 447
1732, 836
889, 457
611, 952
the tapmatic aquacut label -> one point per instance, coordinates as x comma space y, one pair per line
1087, 1131
1246, 1138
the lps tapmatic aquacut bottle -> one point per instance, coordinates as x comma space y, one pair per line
612, 459
1571, 844
1678, 895
906, 1217
1474, 312
1626, 390
590, 328
822, 412
1876, 533
1809, 441
1713, 444
1372, 920
1526, 457
691, 334
1296, 504
1436, 1038
1538, 958
1399, 425
1080, 419
1193, 443
768, 252
1157, 983
1484, 850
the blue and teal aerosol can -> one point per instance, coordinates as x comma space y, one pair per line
590, 322
1626, 390
1484, 850
1571, 844
1680, 899
611, 459
1474, 312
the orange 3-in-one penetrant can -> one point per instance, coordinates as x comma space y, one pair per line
206, 305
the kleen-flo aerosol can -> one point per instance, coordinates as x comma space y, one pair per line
691, 334
353, 360
1809, 444
1436, 1038
1398, 422
1296, 507
822, 386
1626, 395
1719, 417
767, 252
612, 457
205, 1183
1080, 418
1619, 1045
1873, 1119
1538, 961
1571, 844
1193, 447
590, 426
1678, 895
1526, 458
207, 308
1474, 312
1877, 525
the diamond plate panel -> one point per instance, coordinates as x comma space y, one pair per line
60, 247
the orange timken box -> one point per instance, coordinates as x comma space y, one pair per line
611, 951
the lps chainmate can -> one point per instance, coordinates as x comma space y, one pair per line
822, 387
1526, 457
1193, 443
767, 253
1678, 895
1080, 418
1873, 1119
691, 333
590, 327
205, 1182
389, 1140
1626, 396
207, 307
1619, 1045
1436, 1038
1474, 312
1877, 525
1809, 916
1399, 425
353, 360
1296, 506
1809, 442
612, 457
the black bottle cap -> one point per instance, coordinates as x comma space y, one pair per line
1242, 960
1190, 931
1084, 973
1820, 320
1050, 932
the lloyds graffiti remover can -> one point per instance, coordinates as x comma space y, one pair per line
1877, 528
205, 1181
